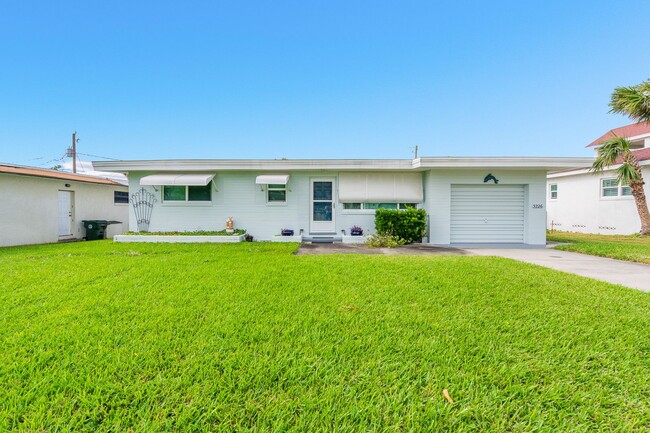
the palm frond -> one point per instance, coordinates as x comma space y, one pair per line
632, 101
626, 174
609, 152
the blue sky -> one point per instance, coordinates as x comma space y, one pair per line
335, 79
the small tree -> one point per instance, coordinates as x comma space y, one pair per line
617, 151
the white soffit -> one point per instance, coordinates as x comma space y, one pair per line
274, 179
177, 179
380, 187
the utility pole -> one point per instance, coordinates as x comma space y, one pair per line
416, 152
74, 152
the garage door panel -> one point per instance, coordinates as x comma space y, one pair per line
487, 213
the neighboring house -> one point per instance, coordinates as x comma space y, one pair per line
323, 199
42, 206
581, 201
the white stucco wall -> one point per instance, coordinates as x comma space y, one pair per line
238, 196
29, 208
437, 190
579, 206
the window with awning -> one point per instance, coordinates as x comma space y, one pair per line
276, 187
179, 187
380, 188
177, 179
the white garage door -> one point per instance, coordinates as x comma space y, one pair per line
487, 213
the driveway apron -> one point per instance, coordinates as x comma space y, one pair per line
634, 275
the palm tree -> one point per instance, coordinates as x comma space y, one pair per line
632, 101
617, 151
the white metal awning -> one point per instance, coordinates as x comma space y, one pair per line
274, 179
380, 188
177, 179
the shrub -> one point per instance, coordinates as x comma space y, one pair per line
384, 241
410, 224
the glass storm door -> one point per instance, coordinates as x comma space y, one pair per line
322, 206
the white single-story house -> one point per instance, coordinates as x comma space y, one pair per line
468, 200
44, 206
581, 201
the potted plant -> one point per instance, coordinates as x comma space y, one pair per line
356, 231
286, 232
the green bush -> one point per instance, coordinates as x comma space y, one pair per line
384, 241
410, 224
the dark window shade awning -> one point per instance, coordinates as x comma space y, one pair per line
177, 179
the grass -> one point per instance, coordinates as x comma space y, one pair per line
98, 336
632, 248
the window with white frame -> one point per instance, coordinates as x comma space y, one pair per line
187, 193
373, 206
276, 193
611, 188
553, 189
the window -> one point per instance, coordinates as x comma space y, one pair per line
554, 191
276, 193
175, 193
373, 206
120, 197
611, 188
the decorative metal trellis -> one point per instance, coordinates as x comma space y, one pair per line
143, 201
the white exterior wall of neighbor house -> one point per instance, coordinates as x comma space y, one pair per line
29, 211
236, 194
579, 206
438, 187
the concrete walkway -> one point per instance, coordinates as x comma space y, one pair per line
634, 275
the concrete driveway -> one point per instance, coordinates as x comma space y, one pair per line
634, 275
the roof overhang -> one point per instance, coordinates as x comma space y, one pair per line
515, 163
177, 179
268, 165
272, 179
184, 166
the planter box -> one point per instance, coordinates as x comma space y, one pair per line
354, 239
280, 238
178, 239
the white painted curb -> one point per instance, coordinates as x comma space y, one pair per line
178, 239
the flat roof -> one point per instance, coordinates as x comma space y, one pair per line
54, 174
185, 165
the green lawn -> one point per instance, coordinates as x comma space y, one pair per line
631, 248
97, 336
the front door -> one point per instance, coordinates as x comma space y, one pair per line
66, 206
322, 206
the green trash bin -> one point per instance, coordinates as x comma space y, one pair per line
96, 229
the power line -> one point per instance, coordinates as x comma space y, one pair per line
97, 156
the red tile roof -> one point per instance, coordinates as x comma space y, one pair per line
623, 131
53, 174
642, 154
